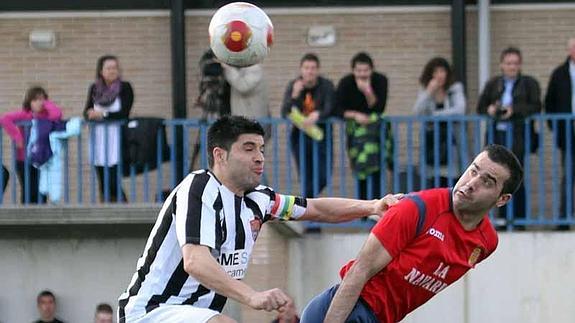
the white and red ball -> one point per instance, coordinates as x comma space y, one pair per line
240, 34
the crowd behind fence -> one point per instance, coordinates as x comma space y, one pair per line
414, 167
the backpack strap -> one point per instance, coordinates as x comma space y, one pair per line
421, 209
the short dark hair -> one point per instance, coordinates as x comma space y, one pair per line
309, 57
506, 158
361, 58
45, 293
100, 64
430, 67
226, 130
104, 308
32, 94
510, 50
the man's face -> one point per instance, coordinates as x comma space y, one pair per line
479, 188
362, 71
309, 72
511, 65
102, 317
571, 49
46, 307
244, 162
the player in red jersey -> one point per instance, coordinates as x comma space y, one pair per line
423, 244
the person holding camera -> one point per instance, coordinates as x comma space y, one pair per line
509, 98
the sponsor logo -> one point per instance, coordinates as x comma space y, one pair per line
436, 233
235, 263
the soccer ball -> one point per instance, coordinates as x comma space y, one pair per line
240, 34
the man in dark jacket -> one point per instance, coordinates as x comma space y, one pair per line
560, 98
313, 95
509, 99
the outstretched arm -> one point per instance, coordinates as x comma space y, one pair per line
336, 210
372, 258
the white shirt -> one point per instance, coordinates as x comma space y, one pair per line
201, 211
113, 142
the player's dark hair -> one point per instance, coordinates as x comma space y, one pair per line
311, 57
45, 293
508, 51
506, 158
361, 58
104, 308
226, 130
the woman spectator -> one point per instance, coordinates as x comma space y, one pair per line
440, 95
36, 105
109, 99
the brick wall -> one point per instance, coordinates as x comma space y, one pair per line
399, 41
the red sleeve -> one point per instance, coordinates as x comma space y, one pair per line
51, 111
397, 227
8, 122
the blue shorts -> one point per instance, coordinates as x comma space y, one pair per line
317, 308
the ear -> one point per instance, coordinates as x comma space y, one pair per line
219, 154
503, 199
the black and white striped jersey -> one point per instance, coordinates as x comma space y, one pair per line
200, 210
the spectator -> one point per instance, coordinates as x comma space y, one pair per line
213, 95
109, 99
361, 98
214, 90
440, 95
560, 98
104, 313
313, 95
248, 91
36, 105
509, 99
46, 302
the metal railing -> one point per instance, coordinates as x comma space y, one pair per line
454, 141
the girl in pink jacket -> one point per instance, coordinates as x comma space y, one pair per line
36, 105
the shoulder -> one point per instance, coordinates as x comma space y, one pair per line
489, 234
456, 87
290, 83
528, 79
380, 77
494, 80
261, 194
437, 200
561, 69
346, 80
202, 183
325, 81
126, 85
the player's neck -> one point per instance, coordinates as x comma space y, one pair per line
469, 221
228, 183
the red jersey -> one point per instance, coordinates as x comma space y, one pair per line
430, 251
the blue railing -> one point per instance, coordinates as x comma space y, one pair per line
427, 152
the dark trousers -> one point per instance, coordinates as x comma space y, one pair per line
518, 200
308, 156
564, 182
316, 309
369, 188
112, 183
31, 183
5, 178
